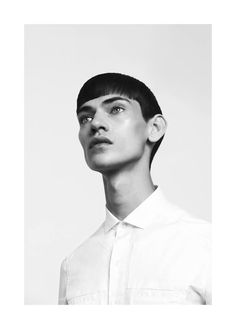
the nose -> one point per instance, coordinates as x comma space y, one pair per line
99, 122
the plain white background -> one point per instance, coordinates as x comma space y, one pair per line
221, 15
64, 201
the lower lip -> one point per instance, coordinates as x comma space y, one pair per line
100, 145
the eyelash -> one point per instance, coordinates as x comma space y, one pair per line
82, 118
87, 116
117, 107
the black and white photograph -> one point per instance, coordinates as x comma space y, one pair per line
118, 164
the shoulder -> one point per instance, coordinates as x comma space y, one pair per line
175, 214
85, 247
183, 226
195, 231
194, 224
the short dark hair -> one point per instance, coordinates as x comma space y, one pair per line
125, 85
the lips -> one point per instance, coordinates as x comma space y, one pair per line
99, 140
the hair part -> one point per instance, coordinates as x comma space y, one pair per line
124, 85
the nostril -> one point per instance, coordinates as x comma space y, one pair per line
96, 125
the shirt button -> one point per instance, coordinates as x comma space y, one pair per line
121, 226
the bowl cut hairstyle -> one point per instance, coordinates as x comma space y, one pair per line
124, 85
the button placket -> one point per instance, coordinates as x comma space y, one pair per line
116, 271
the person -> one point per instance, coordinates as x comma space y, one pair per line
147, 250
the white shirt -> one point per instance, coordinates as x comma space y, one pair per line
158, 254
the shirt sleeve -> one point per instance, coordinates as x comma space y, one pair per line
204, 279
208, 290
202, 255
62, 300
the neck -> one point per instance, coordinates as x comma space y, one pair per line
126, 189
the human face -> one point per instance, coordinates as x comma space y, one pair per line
119, 120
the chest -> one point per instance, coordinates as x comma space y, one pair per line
132, 267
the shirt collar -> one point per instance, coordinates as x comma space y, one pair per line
150, 210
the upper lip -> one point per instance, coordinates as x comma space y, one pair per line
97, 140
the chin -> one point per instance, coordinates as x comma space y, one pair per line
102, 166
103, 163
109, 165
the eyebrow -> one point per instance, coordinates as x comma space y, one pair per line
105, 102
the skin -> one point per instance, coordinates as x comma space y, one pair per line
124, 164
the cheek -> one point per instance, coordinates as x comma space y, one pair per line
81, 138
132, 135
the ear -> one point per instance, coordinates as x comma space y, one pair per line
157, 128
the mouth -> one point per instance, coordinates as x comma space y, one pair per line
99, 142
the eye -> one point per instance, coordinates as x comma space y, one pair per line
117, 109
84, 119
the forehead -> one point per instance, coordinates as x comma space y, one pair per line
108, 99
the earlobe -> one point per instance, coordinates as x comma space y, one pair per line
158, 127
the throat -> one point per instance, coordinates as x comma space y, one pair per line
124, 194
